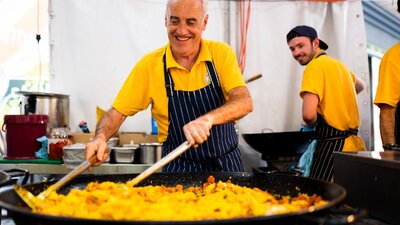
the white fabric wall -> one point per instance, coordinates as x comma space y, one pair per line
95, 44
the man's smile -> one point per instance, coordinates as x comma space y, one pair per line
182, 38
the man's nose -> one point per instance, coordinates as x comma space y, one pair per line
295, 52
182, 28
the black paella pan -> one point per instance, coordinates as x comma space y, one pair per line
274, 183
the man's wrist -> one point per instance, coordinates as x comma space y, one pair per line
391, 147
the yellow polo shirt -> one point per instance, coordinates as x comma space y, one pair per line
388, 91
145, 84
334, 85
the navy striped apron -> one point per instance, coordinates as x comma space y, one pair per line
329, 140
220, 152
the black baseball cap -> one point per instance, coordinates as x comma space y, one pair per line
300, 31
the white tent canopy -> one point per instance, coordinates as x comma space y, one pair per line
95, 44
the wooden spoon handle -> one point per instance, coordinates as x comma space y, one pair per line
158, 165
71, 175
258, 76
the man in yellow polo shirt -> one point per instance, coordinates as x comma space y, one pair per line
329, 100
388, 97
196, 92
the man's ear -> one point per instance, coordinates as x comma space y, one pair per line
315, 43
205, 21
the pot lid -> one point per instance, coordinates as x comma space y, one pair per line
41, 94
26, 119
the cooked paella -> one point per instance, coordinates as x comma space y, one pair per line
213, 200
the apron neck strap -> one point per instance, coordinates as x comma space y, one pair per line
169, 82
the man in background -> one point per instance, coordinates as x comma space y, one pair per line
328, 91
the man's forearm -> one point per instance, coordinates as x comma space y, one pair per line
109, 124
387, 124
309, 108
238, 106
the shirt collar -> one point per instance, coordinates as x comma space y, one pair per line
318, 53
204, 55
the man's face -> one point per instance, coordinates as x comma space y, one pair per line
303, 50
185, 22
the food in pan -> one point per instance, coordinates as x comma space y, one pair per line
213, 200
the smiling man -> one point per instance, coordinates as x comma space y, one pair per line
328, 91
196, 92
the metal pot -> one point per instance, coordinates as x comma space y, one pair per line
150, 152
124, 154
56, 106
274, 183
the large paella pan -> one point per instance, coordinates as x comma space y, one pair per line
274, 183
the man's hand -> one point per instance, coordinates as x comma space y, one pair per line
97, 146
238, 105
107, 126
198, 130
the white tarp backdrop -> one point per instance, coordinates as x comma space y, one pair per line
95, 44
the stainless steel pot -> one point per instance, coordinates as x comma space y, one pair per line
150, 152
123, 154
56, 106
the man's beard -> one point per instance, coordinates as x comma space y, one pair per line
309, 58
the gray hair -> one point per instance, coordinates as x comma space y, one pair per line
204, 2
